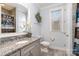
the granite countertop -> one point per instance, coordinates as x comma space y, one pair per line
10, 34
11, 46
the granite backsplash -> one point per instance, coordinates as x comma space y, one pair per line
6, 39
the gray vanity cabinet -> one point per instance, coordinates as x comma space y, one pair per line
17, 53
32, 49
36, 51
26, 51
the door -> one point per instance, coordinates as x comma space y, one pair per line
58, 28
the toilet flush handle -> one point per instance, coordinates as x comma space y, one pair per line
66, 34
52, 39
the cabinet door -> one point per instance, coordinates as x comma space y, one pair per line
36, 51
17, 53
26, 50
32, 49
26, 54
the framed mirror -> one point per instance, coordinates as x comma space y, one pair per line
13, 18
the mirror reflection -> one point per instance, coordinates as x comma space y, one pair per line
13, 18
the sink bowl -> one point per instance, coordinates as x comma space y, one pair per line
21, 42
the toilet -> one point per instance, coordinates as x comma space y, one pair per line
44, 48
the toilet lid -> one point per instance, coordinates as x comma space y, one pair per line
45, 43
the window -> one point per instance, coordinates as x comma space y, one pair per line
56, 20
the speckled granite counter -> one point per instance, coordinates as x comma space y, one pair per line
9, 47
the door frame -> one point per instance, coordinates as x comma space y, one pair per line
62, 21
69, 44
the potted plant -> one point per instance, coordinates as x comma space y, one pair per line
38, 17
29, 35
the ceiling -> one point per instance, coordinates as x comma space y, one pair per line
42, 5
6, 6
19, 6
10, 6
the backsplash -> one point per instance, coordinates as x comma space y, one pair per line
6, 39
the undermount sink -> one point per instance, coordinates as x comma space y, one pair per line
21, 42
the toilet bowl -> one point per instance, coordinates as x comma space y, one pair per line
45, 43
44, 48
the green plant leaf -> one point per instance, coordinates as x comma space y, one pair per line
38, 17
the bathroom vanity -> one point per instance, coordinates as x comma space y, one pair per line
21, 47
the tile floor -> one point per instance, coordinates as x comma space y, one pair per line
52, 52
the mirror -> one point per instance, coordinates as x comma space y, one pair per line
13, 18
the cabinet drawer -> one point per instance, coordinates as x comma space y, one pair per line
17, 53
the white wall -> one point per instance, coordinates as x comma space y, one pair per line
32, 10
35, 29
